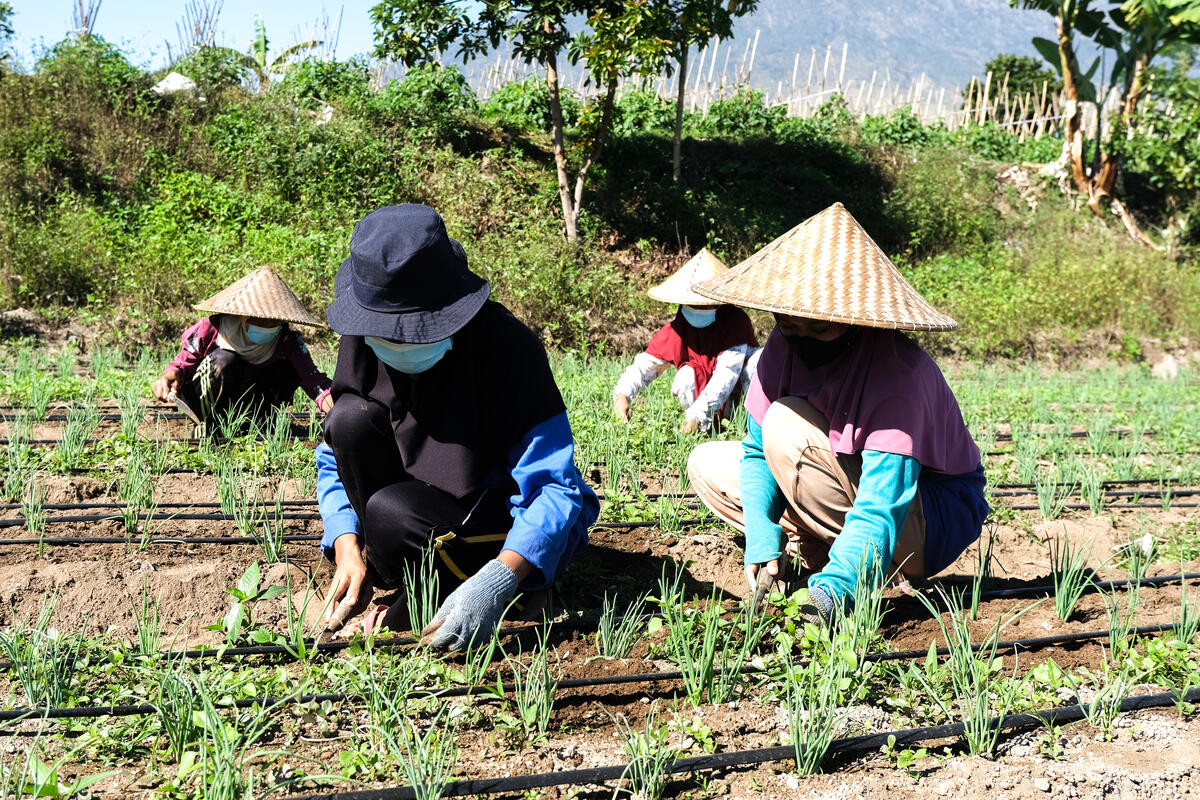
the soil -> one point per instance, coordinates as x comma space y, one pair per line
1153, 754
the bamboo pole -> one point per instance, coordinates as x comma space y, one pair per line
753, 52
825, 66
842, 70
712, 62
982, 113
792, 90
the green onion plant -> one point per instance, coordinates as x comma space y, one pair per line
617, 636
650, 757
1069, 573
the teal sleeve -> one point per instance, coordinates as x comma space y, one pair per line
868, 539
762, 501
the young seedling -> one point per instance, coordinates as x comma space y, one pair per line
149, 624
650, 757
1113, 686
1091, 486
421, 590
33, 506
17, 458
813, 695
44, 661
534, 685
1122, 611
41, 390
427, 758
129, 401
82, 421
1051, 494
982, 579
238, 623
979, 692
617, 636
1069, 573
176, 708
1189, 617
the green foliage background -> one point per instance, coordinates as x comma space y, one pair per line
124, 206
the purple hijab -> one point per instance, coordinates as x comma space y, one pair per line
884, 394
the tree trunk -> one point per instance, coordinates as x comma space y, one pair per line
1105, 180
570, 214
606, 111
683, 67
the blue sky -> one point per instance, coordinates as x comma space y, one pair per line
141, 29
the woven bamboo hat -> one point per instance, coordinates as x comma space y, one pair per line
678, 287
827, 268
262, 293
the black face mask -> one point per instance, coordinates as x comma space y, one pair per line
816, 353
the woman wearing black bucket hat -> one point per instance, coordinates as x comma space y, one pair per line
447, 432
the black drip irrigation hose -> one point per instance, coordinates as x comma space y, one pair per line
852, 745
77, 712
19, 522
584, 624
81, 506
134, 539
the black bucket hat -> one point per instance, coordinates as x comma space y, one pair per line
405, 279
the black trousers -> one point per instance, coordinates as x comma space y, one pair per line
401, 516
226, 383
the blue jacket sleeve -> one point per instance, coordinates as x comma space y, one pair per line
762, 501
553, 507
337, 515
868, 539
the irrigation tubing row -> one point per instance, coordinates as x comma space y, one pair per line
1156, 489
586, 624
17, 522
1036, 643
852, 745
690, 522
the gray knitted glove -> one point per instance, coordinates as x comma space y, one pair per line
473, 610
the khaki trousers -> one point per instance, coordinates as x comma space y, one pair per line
819, 486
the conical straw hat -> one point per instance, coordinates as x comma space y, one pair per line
678, 287
262, 293
827, 268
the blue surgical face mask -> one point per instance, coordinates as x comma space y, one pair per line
409, 358
261, 335
699, 317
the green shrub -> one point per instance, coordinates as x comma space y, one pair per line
90, 64
525, 105
68, 257
313, 82
901, 127
642, 110
214, 69
745, 115
430, 99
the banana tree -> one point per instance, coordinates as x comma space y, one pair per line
259, 62
1134, 31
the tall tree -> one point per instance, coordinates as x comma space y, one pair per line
6, 28
691, 23
1135, 31
619, 38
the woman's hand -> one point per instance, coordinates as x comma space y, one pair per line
621, 407
689, 426
760, 578
326, 404
350, 592
167, 385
